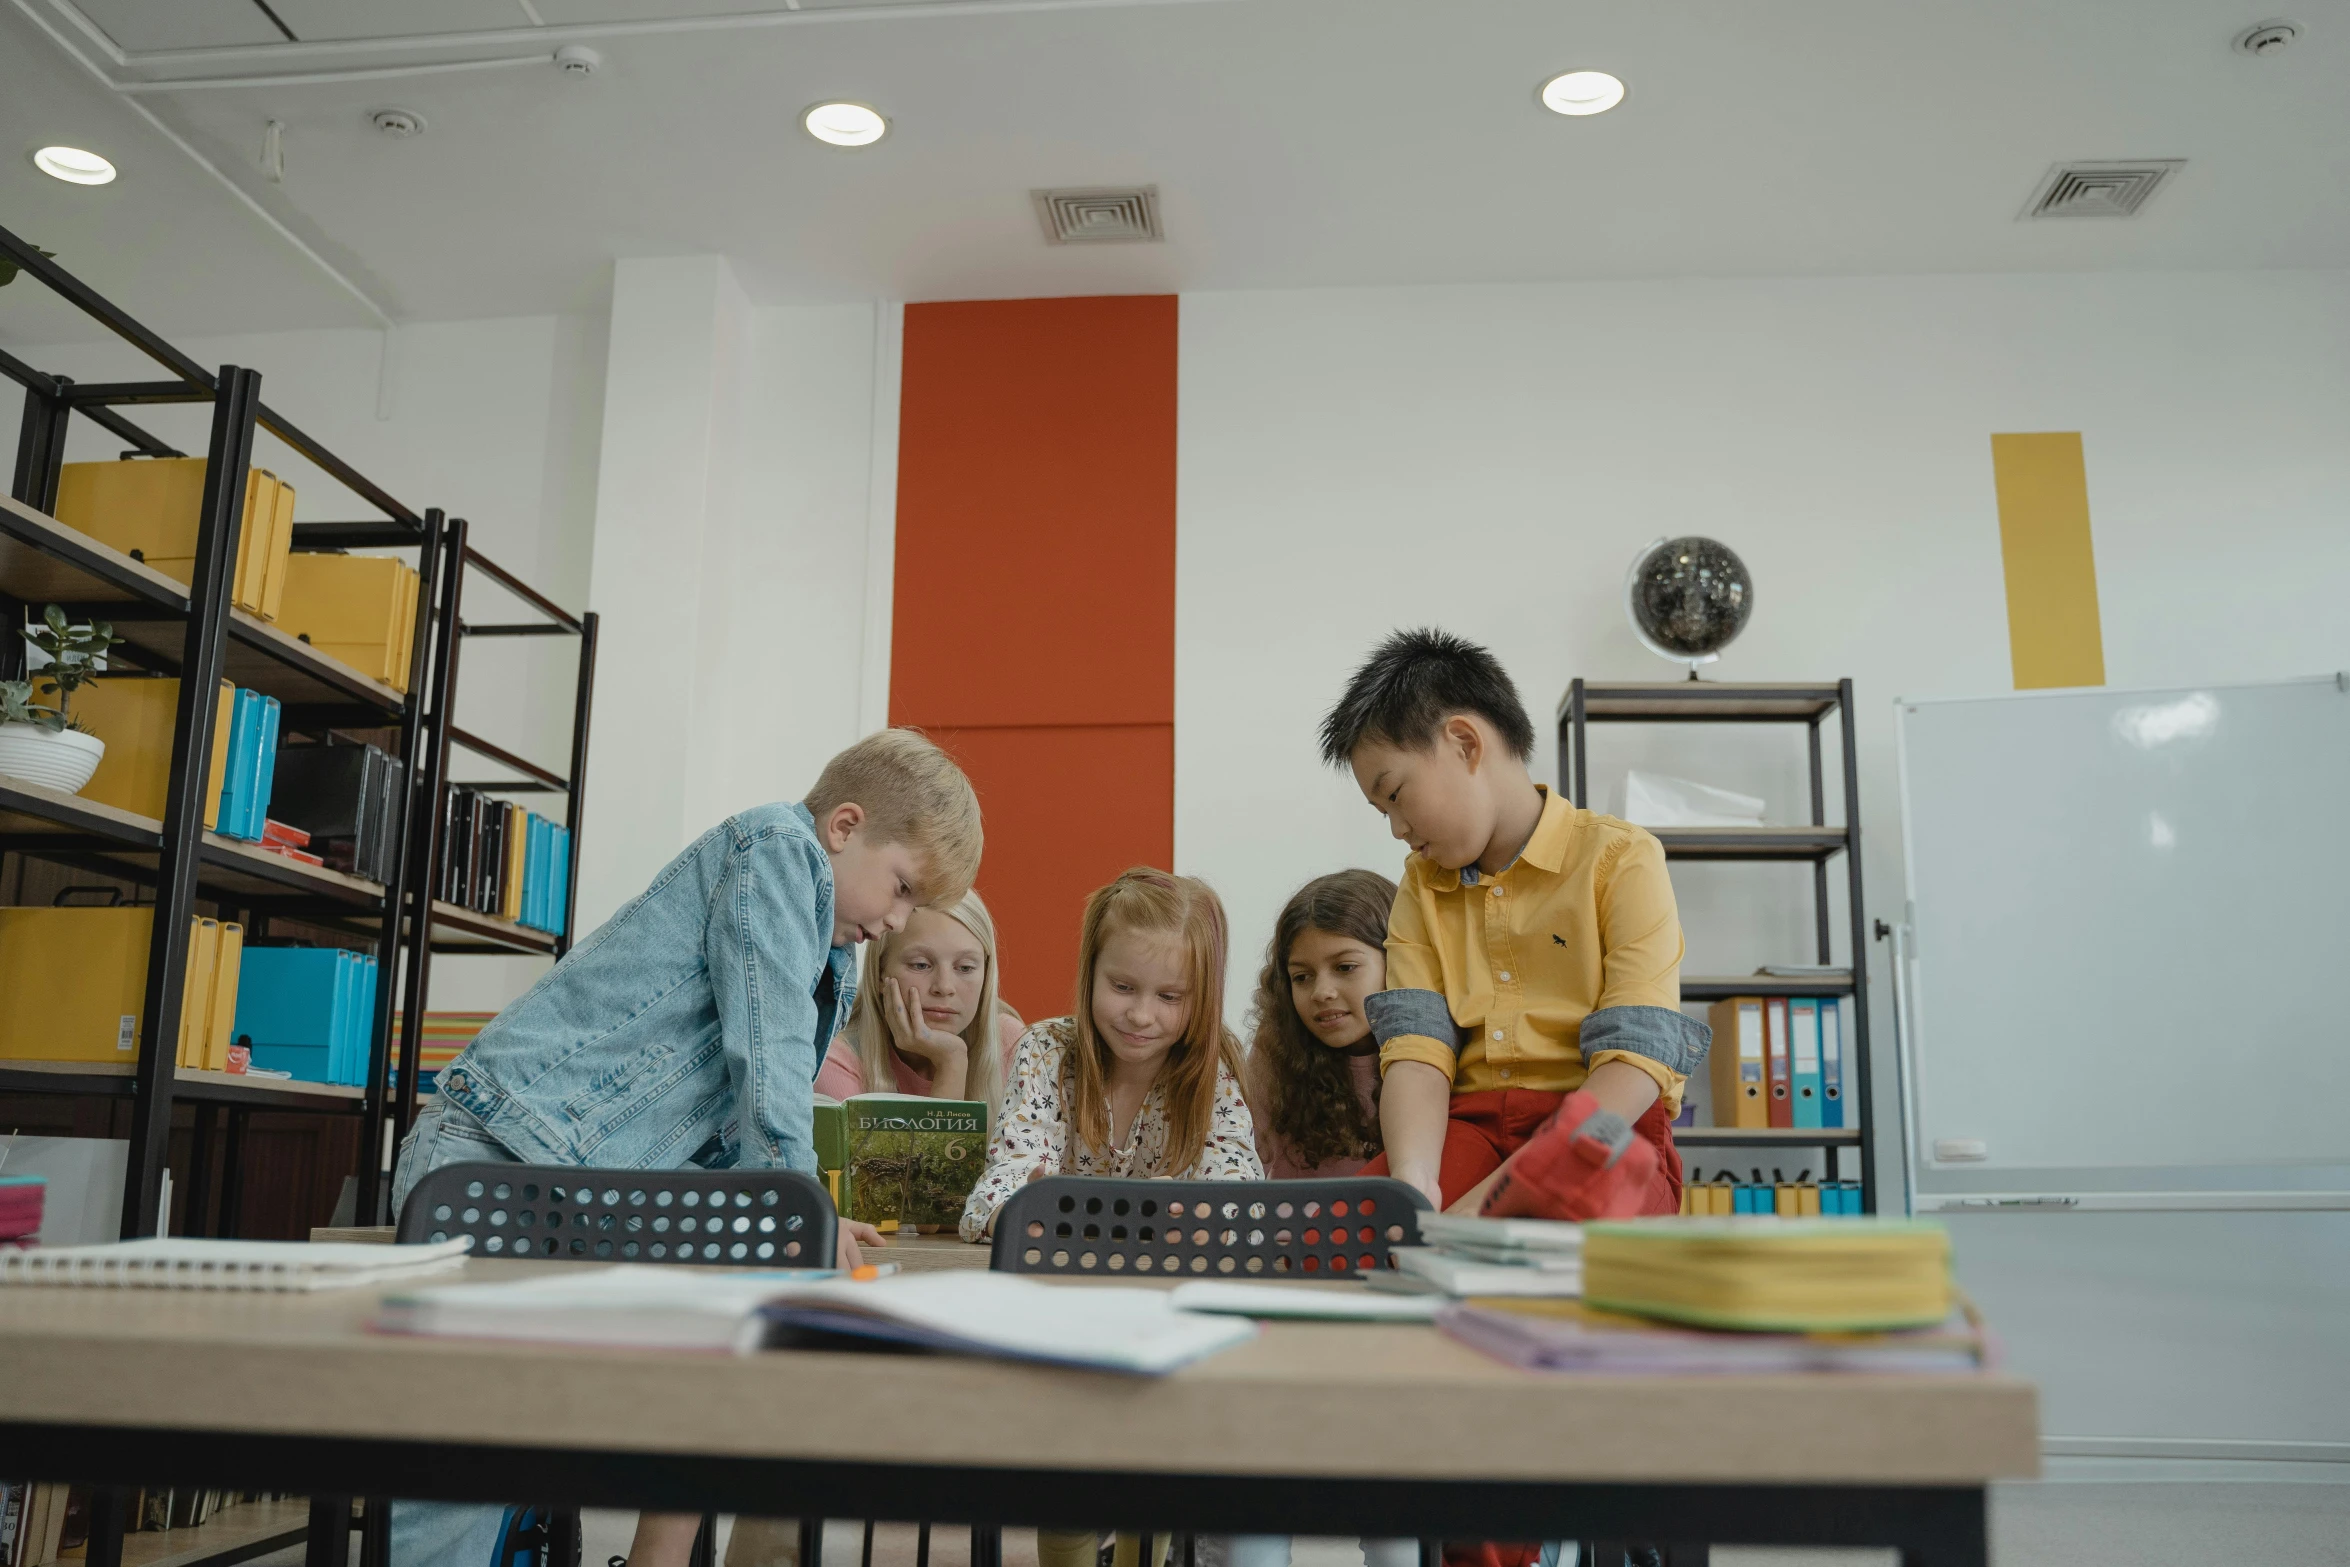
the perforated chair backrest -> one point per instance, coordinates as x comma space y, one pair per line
710, 1218
1272, 1229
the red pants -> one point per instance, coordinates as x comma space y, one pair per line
1486, 1128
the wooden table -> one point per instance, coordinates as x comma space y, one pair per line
1313, 1428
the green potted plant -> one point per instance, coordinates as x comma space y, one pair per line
46, 744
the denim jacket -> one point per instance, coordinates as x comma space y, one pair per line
688, 1029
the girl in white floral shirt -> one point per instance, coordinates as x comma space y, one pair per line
1145, 1079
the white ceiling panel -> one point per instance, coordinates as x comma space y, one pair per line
1295, 143
315, 21
139, 25
559, 12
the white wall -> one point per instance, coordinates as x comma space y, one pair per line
1490, 459
734, 529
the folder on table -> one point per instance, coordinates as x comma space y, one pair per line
136, 717
1831, 1061
1737, 1057
1803, 1078
1779, 1091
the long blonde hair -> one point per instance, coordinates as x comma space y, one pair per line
1187, 909
869, 1028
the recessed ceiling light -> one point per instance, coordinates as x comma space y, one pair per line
845, 124
1582, 92
74, 166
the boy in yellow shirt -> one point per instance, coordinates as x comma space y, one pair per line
1532, 1046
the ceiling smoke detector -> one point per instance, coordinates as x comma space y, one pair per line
2100, 190
1100, 216
2267, 38
399, 124
577, 61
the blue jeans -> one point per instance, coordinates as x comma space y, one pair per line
445, 1534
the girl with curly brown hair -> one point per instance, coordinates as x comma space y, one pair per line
1313, 1066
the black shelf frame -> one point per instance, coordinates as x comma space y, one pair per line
430, 925
1696, 701
193, 632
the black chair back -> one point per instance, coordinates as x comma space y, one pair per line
1097, 1225
709, 1218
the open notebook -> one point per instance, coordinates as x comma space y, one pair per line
190, 1263
1132, 1330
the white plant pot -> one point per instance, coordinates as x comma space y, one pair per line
54, 758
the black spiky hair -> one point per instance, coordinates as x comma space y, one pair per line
1412, 683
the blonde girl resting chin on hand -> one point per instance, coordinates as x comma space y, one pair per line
1145, 1078
929, 1019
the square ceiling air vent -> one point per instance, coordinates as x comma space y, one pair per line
2100, 190
1099, 216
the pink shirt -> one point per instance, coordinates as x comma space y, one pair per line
1280, 1164
843, 1074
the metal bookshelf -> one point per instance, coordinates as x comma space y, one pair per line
194, 633
1817, 844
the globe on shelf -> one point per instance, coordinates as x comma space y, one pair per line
1688, 598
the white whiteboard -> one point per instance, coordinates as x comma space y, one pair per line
2130, 927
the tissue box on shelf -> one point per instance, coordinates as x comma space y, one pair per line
1660, 800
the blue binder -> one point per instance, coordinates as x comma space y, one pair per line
291, 1006
1803, 1078
559, 917
244, 757
264, 770
1831, 1062
534, 872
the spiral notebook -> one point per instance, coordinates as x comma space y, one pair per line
190, 1263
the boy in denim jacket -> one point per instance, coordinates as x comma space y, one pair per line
689, 1027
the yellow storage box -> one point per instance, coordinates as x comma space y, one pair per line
149, 506
76, 979
360, 609
134, 718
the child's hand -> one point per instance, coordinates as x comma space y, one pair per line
847, 1252
902, 1006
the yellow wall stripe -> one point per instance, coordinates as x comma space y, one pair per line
2053, 635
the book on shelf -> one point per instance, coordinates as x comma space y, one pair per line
910, 1161
137, 716
149, 509
97, 1016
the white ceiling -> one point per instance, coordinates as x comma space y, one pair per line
1294, 143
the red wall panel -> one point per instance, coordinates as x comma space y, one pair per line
1066, 809
1036, 514
1033, 628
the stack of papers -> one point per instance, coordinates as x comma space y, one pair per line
190, 1263
1467, 1256
1568, 1336
1132, 1330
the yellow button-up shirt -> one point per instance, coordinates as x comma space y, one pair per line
1581, 923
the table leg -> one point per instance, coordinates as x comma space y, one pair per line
812, 1542
375, 1533
1958, 1535
106, 1524
330, 1532
705, 1551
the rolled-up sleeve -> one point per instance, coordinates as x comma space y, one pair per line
1639, 1018
766, 945
1410, 1018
